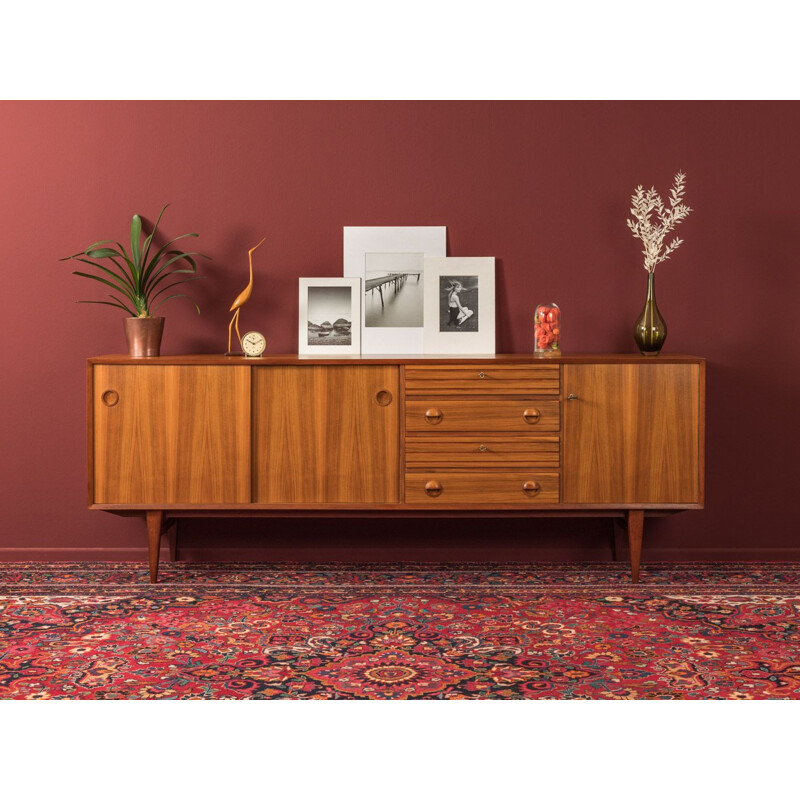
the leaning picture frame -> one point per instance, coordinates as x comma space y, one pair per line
459, 306
329, 319
390, 262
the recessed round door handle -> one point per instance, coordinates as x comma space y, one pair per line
110, 398
531, 488
572, 397
433, 488
531, 415
481, 374
433, 416
383, 398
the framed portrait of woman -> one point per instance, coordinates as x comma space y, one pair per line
459, 313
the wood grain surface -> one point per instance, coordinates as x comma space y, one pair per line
482, 379
633, 433
173, 434
500, 359
482, 452
321, 436
479, 416
482, 487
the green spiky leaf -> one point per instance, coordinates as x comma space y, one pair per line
136, 276
180, 295
136, 238
107, 303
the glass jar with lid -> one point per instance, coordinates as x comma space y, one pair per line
547, 330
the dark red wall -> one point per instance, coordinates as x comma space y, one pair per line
542, 186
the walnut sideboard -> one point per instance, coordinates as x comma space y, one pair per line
508, 435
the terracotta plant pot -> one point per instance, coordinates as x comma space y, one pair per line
144, 335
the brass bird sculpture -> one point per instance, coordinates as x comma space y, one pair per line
242, 299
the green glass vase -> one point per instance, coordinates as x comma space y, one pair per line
650, 331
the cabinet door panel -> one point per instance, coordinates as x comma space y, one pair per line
171, 434
326, 434
632, 435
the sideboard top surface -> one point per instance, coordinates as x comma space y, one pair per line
294, 359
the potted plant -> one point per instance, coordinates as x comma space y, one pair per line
138, 280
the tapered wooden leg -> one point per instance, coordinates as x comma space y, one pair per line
155, 521
635, 529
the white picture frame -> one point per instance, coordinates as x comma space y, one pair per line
465, 324
392, 319
325, 306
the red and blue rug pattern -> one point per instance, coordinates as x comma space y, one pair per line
405, 631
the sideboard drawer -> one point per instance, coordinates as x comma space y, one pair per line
447, 488
482, 416
488, 451
481, 379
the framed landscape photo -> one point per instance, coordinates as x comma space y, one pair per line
459, 306
391, 263
330, 317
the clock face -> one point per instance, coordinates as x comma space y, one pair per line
253, 343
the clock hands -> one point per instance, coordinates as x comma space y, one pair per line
253, 343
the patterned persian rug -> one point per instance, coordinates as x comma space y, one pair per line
404, 631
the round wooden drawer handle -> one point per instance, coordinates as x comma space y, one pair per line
531, 415
433, 488
110, 398
531, 488
434, 416
383, 398
483, 448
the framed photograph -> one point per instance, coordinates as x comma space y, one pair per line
459, 306
330, 317
391, 263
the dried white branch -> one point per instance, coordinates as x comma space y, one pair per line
652, 235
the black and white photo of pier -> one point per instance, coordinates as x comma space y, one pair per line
393, 290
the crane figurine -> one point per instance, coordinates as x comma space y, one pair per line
243, 297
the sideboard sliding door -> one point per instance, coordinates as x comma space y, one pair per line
326, 434
171, 434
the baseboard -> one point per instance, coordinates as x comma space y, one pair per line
718, 554
360, 554
508, 553
77, 553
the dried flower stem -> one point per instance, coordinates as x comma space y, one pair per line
643, 203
